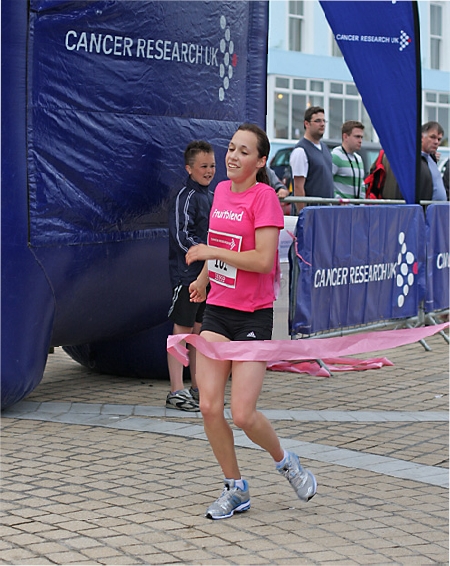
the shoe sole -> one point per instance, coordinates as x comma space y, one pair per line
240, 509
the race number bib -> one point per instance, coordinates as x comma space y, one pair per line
219, 271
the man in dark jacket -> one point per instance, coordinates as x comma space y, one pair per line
431, 186
432, 134
391, 189
445, 176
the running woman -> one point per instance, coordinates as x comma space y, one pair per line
241, 265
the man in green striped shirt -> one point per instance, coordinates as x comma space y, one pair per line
348, 166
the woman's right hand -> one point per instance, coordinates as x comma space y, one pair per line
198, 252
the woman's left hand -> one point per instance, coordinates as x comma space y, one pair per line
197, 292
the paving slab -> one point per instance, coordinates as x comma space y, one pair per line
95, 470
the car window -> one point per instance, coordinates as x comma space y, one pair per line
281, 157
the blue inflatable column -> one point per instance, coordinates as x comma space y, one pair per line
27, 301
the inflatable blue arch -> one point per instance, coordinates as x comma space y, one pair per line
99, 99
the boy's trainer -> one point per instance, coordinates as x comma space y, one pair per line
195, 394
183, 401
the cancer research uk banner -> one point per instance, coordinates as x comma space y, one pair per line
116, 90
438, 265
380, 44
357, 265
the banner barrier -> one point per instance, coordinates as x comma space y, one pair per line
438, 265
311, 349
354, 265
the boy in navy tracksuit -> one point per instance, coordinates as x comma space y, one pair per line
188, 226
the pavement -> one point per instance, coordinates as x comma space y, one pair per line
95, 470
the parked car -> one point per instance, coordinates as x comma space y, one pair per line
280, 161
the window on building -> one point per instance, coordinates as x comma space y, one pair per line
298, 113
281, 117
435, 35
342, 107
292, 96
281, 108
336, 88
335, 117
316, 95
437, 108
296, 25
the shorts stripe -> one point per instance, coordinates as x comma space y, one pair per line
175, 294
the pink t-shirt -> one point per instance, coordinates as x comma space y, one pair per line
232, 223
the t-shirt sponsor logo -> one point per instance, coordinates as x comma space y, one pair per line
228, 215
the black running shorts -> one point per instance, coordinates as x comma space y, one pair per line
238, 325
182, 311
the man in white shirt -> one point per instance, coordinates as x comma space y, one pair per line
310, 161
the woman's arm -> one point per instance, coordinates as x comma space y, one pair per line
259, 260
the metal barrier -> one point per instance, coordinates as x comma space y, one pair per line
339, 200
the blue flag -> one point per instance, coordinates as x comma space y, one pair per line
380, 44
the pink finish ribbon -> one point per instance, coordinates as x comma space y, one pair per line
330, 365
272, 351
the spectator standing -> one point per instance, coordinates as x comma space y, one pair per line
390, 190
276, 183
280, 188
432, 133
445, 176
310, 161
431, 185
348, 165
188, 226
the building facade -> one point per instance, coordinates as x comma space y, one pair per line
305, 67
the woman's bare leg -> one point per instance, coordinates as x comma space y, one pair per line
212, 377
245, 389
